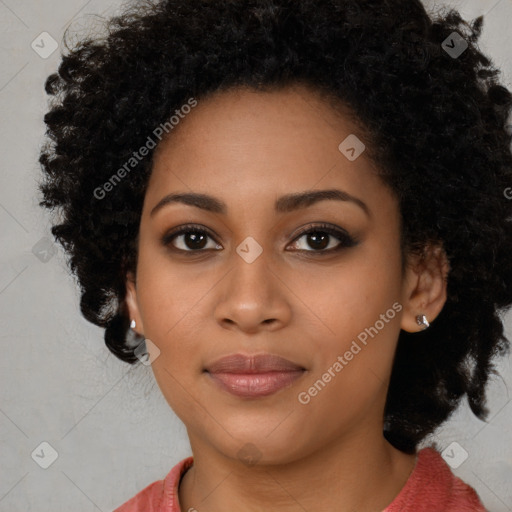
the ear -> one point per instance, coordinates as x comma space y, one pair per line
132, 304
424, 288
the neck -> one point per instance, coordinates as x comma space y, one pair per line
358, 472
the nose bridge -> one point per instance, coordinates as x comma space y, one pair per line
252, 293
252, 273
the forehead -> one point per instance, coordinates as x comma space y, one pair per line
254, 145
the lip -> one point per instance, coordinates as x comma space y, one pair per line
255, 363
254, 376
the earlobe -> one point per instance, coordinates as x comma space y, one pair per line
424, 291
132, 304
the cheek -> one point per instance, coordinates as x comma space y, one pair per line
168, 292
169, 307
168, 302
353, 293
360, 311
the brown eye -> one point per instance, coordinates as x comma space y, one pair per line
320, 237
190, 238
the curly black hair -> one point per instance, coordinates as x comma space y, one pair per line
435, 124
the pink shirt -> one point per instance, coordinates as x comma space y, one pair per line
430, 487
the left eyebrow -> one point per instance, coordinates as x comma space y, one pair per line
284, 204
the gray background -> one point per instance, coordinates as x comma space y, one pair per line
111, 428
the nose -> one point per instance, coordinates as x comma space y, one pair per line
253, 297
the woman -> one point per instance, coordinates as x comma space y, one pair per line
298, 210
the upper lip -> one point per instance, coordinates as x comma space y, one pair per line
256, 363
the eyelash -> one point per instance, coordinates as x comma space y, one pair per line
346, 241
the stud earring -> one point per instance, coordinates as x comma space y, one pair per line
133, 324
422, 320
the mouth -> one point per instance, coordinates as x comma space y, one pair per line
254, 376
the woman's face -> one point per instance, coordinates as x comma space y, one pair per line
252, 284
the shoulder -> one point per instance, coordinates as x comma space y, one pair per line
433, 486
149, 499
159, 496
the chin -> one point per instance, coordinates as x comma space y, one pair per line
254, 448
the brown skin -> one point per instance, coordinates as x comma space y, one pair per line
247, 149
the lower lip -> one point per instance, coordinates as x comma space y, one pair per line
255, 385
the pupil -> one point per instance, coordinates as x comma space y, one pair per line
194, 237
315, 238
